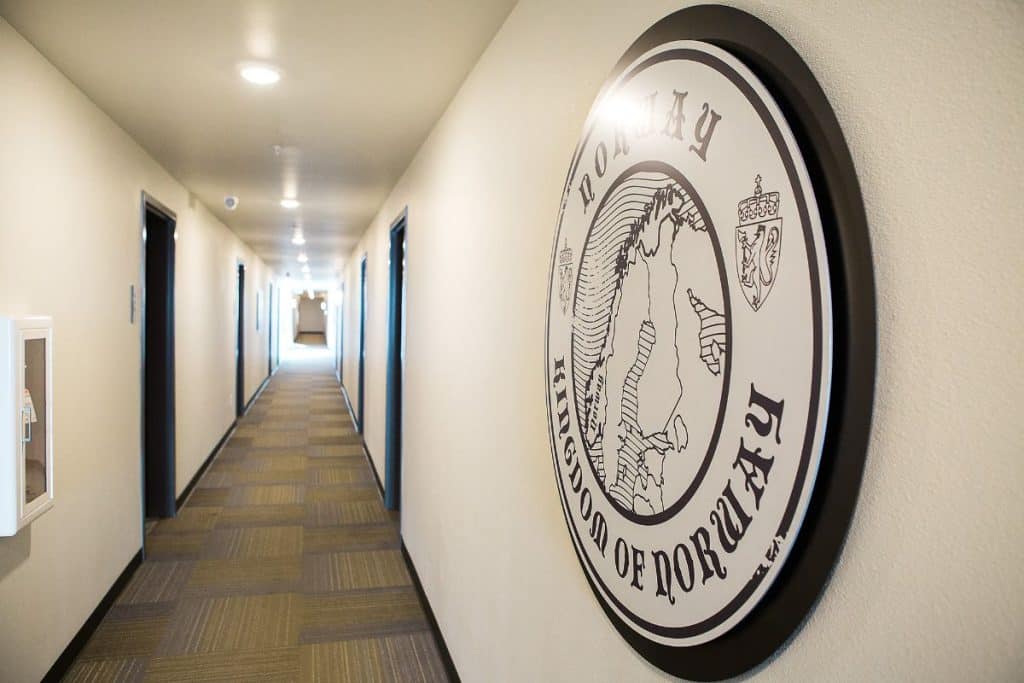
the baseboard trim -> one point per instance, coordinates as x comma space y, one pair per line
181, 500
216, 449
263, 385
220, 444
74, 648
348, 403
442, 646
362, 442
369, 460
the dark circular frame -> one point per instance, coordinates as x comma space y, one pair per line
798, 586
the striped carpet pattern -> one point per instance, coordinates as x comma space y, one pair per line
283, 565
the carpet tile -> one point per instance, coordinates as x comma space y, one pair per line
350, 537
107, 671
269, 665
253, 542
156, 582
406, 658
357, 614
261, 515
174, 546
333, 513
245, 576
129, 631
354, 570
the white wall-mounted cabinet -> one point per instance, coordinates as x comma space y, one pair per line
26, 421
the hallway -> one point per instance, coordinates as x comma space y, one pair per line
283, 564
511, 340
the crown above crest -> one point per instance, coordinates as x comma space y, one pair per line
565, 255
759, 206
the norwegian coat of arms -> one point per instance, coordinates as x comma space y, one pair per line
565, 276
758, 244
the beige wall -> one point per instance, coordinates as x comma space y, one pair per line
929, 586
70, 186
206, 258
311, 318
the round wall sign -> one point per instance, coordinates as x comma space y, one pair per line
689, 350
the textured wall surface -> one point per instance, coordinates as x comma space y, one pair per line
311, 318
70, 191
929, 586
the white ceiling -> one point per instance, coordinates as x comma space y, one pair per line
363, 84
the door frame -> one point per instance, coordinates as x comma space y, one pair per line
149, 203
339, 331
397, 252
239, 338
270, 328
361, 395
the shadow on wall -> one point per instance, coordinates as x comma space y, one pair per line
14, 550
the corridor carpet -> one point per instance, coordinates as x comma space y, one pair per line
283, 565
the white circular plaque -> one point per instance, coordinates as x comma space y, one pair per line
689, 339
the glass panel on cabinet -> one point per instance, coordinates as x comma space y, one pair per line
33, 419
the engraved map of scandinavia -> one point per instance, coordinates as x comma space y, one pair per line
649, 338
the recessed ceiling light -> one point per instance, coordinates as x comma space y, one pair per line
303, 258
290, 203
297, 238
260, 74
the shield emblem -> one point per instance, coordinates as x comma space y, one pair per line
758, 246
565, 286
565, 277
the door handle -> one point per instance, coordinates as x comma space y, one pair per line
27, 422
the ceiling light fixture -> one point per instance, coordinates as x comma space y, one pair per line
290, 203
260, 74
305, 268
298, 239
302, 257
